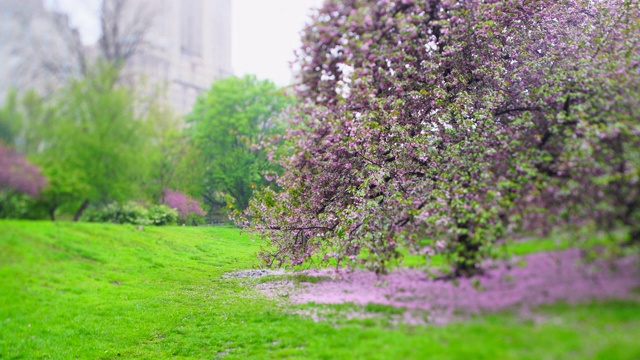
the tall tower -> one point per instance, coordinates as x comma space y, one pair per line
187, 47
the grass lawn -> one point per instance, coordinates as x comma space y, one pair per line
94, 291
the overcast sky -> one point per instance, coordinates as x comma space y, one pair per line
265, 32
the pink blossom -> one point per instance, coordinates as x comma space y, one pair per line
18, 174
183, 203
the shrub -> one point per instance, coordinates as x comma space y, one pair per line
193, 220
163, 215
189, 210
128, 213
99, 214
15, 205
132, 213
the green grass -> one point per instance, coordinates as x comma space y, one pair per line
518, 248
93, 291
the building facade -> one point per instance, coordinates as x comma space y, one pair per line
187, 47
37, 47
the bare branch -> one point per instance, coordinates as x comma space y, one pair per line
124, 28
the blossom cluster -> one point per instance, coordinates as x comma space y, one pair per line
183, 203
18, 174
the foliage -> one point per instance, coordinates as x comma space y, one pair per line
15, 205
10, 118
131, 213
25, 121
170, 156
446, 125
230, 125
188, 209
104, 290
162, 215
127, 213
147, 147
93, 152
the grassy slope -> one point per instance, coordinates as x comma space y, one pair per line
106, 291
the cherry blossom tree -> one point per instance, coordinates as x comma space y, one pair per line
17, 174
184, 204
447, 125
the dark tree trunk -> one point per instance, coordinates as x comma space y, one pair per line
629, 220
635, 236
469, 256
52, 213
83, 207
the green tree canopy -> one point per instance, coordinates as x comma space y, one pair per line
230, 125
10, 118
172, 159
94, 150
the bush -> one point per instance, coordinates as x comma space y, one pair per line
128, 213
20, 206
189, 210
14, 205
132, 213
102, 214
193, 220
163, 215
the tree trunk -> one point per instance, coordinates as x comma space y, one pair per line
468, 265
52, 213
634, 234
83, 207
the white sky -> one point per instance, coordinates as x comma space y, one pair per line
264, 32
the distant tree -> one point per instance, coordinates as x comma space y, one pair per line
94, 152
124, 25
170, 155
25, 121
229, 127
10, 118
443, 125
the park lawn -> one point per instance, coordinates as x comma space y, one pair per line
98, 291
610, 241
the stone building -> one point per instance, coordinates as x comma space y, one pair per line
37, 47
187, 47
